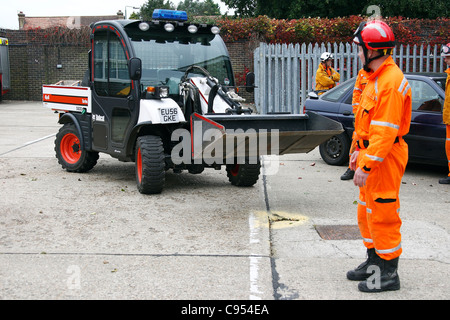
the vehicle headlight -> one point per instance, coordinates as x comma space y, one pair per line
192, 28
169, 27
144, 26
157, 92
215, 30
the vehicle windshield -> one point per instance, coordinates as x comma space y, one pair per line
166, 55
336, 93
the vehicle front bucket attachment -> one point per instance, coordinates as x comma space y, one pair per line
220, 137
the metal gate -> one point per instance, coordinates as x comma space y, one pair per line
284, 74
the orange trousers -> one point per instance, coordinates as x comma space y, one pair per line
447, 147
379, 205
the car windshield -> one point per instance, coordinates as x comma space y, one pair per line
166, 55
336, 93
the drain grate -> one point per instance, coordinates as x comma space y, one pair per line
338, 232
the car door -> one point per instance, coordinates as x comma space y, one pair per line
426, 137
114, 102
346, 116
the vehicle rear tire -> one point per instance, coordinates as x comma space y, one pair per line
335, 151
243, 175
150, 164
69, 153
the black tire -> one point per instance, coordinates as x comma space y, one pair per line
150, 164
69, 153
335, 151
243, 175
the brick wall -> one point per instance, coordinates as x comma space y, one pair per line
35, 55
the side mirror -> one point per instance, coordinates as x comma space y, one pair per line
135, 68
313, 95
250, 82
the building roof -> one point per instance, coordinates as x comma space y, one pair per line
27, 23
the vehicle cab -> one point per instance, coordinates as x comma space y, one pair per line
136, 69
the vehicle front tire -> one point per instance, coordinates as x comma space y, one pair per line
243, 175
335, 151
69, 153
150, 164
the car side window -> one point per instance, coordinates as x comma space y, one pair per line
424, 97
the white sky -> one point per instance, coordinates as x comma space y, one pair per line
43, 8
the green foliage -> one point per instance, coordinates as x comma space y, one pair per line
197, 8
294, 9
318, 30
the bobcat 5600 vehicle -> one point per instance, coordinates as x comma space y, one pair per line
161, 94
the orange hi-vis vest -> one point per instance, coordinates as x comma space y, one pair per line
384, 114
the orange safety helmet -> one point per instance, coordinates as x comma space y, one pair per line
374, 35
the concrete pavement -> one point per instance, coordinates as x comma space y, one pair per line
93, 236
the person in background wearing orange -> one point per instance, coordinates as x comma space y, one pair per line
382, 119
326, 76
445, 53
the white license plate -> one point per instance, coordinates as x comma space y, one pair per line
168, 115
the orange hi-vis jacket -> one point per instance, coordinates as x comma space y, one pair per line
360, 84
384, 114
446, 110
326, 78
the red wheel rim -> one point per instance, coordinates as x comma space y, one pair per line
139, 165
235, 170
70, 148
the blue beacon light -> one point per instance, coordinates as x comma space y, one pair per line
175, 15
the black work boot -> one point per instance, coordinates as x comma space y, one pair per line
384, 279
348, 175
360, 273
444, 180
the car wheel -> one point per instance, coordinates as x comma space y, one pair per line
335, 151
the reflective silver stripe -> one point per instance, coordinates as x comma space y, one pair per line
357, 89
368, 210
448, 139
361, 202
376, 85
375, 158
402, 85
389, 250
367, 240
406, 89
384, 124
355, 104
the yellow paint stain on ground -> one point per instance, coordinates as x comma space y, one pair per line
278, 219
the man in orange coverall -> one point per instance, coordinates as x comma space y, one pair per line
381, 121
445, 53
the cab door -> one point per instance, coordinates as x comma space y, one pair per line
114, 104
